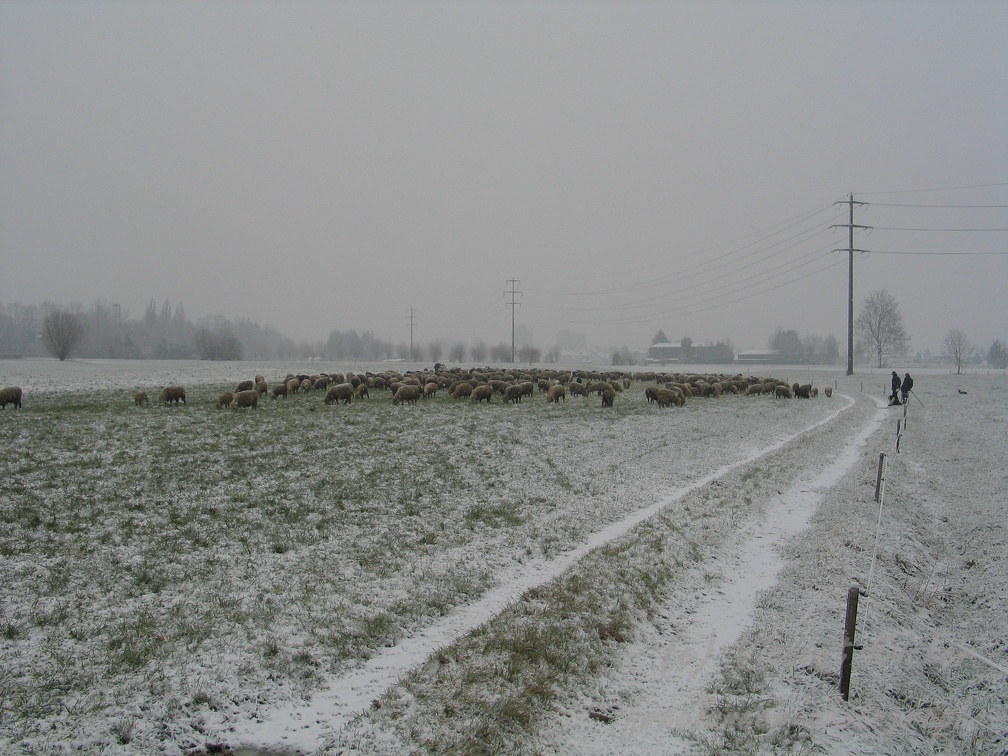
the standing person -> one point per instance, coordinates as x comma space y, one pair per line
906, 387
895, 388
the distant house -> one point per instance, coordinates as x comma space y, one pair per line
757, 356
663, 353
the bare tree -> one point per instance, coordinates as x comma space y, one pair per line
957, 348
997, 355
63, 332
479, 351
458, 352
436, 350
880, 325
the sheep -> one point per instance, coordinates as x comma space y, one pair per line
514, 393
556, 393
306, 385
430, 389
10, 395
361, 391
293, 385
224, 400
260, 379
577, 389
407, 392
828, 391
261, 387
280, 390
461, 390
322, 382
247, 398
782, 392
173, 394
608, 395
481, 393
140, 397
341, 391
803, 392
245, 386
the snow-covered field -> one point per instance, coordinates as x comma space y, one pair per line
385, 579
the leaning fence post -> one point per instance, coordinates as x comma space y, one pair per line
881, 476
847, 659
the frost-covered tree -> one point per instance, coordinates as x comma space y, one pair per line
880, 326
997, 355
63, 332
957, 348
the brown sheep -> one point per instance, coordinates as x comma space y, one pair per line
321, 383
407, 392
245, 386
306, 385
361, 391
782, 392
804, 391
514, 393
10, 395
461, 390
577, 389
173, 394
293, 386
481, 393
261, 387
430, 389
260, 379
247, 398
828, 391
341, 391
556, 393
280, 390
608, 395
140, 397
224, 400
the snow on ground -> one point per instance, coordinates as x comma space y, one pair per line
934, 628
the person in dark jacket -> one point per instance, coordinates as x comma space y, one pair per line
895, 388
906, 387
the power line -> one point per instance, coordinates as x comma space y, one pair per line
947, 254
938, 207
514, 304
898, 228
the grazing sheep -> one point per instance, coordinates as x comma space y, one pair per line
407, 392
828, 391
247, 398
361, 391
261, 387
608, 395
306, 385
804, 391
556, 393
140, 397
10, 395
651, 393
245, 386
224, 400
430, 389
293, 385
577, 389
173, 394
260, 379
280, 390
461, 390
514, 393
481, 393
782, 392
321, 383
341, 391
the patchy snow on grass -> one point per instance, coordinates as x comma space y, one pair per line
362, 577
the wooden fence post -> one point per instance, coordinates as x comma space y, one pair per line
881, 476
847, 659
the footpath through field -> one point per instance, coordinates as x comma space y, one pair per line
750, 566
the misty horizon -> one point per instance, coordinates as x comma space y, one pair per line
622, 168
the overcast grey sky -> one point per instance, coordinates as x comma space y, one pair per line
634, 165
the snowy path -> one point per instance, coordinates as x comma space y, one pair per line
672, 674
685, 662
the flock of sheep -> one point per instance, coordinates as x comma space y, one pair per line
482, 384
479, 385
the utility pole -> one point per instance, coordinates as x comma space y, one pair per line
850, 279
412, 322
513, 304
